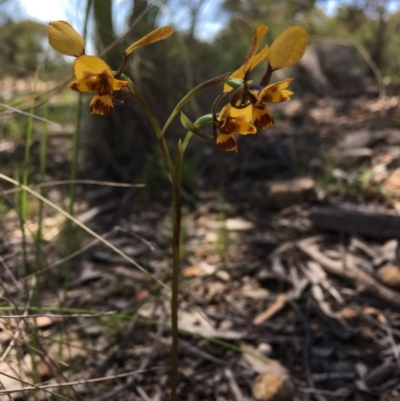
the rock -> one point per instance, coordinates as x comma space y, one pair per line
273, 386
357, 139
349, 158
392, 183
282, 194
389, 275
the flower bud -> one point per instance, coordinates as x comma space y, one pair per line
64, 39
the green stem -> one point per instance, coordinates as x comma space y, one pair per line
175, 173
186, 99
77, 132
42, 169
157, 129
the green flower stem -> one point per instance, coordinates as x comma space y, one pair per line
145, 107
175, 173
192, 93
122, 66
157, 129
182, 149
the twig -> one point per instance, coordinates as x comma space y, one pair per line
393, 344
47, 361
32, 387
143, 393
51, 315
237, 394
343, 392
306, 349
349, 270
7, 269
78, 182
73, 383
137, 236
84, 227
202, 354
61, 261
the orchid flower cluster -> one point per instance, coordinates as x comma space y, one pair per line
247, 110
244, 114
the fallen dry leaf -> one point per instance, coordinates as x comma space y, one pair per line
389, 275
273, 386
274, 308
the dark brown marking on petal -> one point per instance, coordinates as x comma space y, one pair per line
74, 87
229, 144
87, 75
98, 107
104, 89
264, 121
103, 78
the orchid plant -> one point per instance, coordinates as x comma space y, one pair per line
244, 113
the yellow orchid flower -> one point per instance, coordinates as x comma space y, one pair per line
64, 39
95, 75
233, 121
253, 58
92, 73
274, 93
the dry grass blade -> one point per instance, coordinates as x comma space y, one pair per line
34, 116
84, 227
77, 182
68, 384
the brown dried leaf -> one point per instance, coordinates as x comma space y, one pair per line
274, 308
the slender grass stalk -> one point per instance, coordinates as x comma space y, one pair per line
23, 205
23, 198
74, 165
42, 171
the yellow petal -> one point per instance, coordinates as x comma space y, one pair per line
260, 57
86, 67
242, 127
275, 93
64, 39
239, 73
262, 117
229, 112
154, 36
101, 104
116, 84
288, 48
227, 142
251, 59
258, 34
